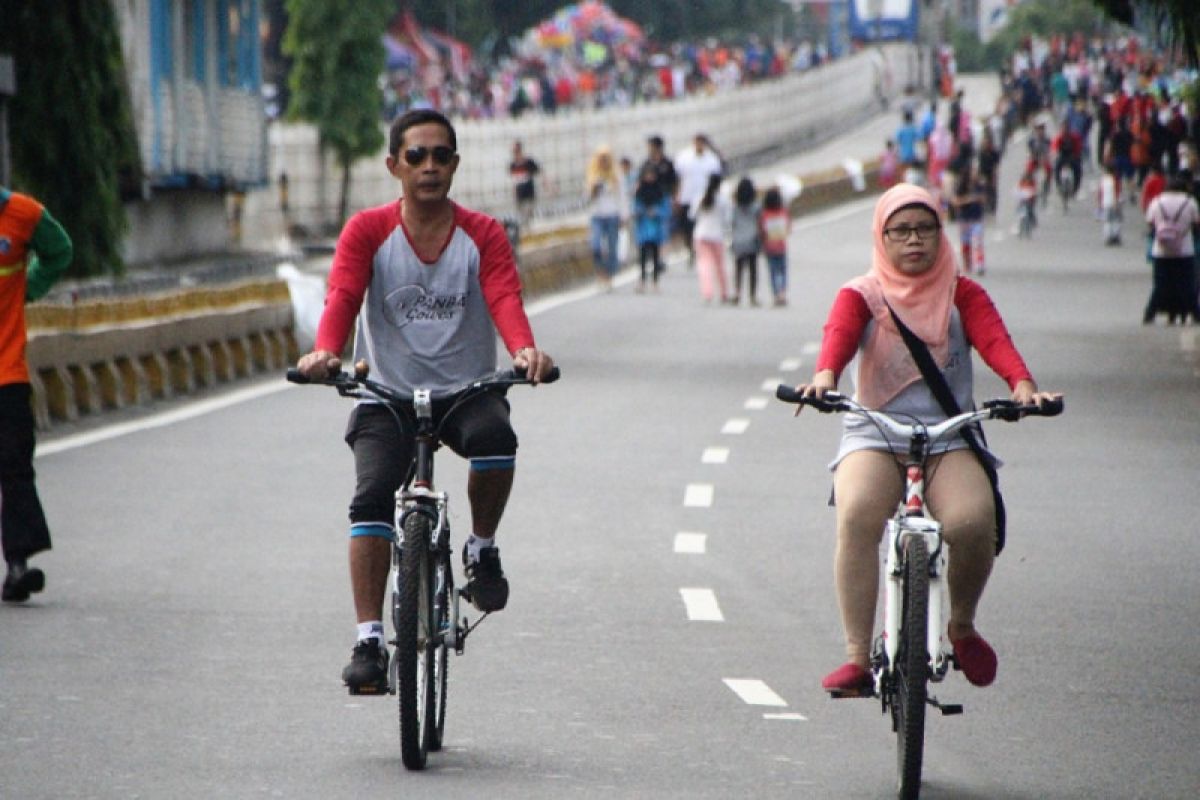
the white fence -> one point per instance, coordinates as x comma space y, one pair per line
774, 117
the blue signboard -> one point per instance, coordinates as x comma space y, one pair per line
883, 20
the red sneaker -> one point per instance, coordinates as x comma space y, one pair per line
976, 659
849, 678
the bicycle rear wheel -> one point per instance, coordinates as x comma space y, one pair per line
912, 669
415, 641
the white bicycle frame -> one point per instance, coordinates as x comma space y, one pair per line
898, 529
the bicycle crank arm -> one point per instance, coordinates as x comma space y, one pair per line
947, 709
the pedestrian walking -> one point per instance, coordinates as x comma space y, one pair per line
970, 205
746, 240
605, 210
1174, 219
523, 172
775, 223
711, 218
694, 166
652, 225
34, 253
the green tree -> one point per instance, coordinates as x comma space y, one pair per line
338, 57
74, 146
1179, 19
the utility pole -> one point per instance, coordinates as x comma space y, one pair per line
8, 88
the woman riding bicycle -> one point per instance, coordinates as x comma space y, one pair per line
912, 273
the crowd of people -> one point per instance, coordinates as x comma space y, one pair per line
687, 199
1106, 108
545, 80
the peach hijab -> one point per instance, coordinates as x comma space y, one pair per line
923, 302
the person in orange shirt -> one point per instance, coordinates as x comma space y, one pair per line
34, 252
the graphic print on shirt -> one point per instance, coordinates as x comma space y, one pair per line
413, 303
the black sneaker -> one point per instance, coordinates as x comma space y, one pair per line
486, 588
367, 672
20, 582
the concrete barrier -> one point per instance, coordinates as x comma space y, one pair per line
91, 357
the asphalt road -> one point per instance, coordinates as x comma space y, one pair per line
197, 617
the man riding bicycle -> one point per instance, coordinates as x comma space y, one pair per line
1039, 156
1068, 149
430, 284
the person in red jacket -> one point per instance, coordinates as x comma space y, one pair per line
34, 252
913, 272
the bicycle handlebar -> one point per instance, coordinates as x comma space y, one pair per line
348, 382
1000, 408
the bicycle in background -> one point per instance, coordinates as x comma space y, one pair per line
427, 620
913, 649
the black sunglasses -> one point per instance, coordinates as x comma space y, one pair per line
415, 156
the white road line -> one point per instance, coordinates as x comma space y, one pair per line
754, 692
736, 426
715, 455
789, 365
702, 606
811, 348
190, 411
755, 403
770, 383
698, 495
690, 543
788, 715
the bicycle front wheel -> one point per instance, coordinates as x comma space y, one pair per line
443, 618
912, 669
412, 610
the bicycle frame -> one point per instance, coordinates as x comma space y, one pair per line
911, 519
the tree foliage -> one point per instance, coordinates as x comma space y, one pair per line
1178, 19
338, 56
74, 146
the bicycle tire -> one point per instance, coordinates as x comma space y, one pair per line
443, 619
912, 665
413, 610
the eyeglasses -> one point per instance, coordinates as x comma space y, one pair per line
900, 233
415, 156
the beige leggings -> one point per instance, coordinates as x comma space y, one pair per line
867, 486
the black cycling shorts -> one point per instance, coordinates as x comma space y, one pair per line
479, 427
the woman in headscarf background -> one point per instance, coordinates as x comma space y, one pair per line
913, 271
606, 206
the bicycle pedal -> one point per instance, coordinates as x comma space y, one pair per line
947, 709
368, 689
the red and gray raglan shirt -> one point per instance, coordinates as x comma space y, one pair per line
429, 325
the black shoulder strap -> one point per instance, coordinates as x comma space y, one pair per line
936, 382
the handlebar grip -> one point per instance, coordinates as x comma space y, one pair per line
551, 376
787, 394
832, 401
296, 376
1051, 408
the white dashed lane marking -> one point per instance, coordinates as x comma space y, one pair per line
735, 426
701, 605
755, 692
755, 403
789, 365
770, 383
698, 495
691, 543
790, 715
811, 348
715, 455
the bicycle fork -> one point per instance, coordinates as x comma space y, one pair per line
937, 645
